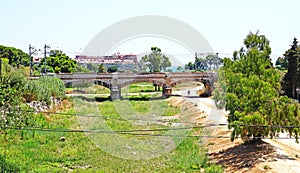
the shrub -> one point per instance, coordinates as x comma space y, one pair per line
44, 88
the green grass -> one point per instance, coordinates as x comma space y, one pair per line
36, 151
138, 87
89, 89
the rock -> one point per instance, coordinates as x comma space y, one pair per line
62, 139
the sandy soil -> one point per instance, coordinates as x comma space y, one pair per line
276, 156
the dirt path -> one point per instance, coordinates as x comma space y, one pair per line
276, 156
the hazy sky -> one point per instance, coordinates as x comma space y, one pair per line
70, 24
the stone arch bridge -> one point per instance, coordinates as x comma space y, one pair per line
115, 81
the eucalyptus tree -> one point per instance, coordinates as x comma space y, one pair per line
249, 88
156, 61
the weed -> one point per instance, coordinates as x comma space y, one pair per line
44, 152
266, 167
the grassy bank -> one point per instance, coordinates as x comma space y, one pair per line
46, 151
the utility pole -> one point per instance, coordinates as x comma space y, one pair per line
46, 47
195, 63
32, 51
30, 73
217, 61
1, 69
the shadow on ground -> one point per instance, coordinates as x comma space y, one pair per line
102, 99
247, 155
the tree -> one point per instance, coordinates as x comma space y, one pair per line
210, 62
165, 63
59, 62
249, 88
112, 69
15, 56
102, 69
292, 78
189, 66
179, 69
82, 69
156, 61
281, 63
201, 64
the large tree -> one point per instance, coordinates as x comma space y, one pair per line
58, 62
156, 61
291, 79
112, 69
15, 56
189, 66
210, 62
249, 88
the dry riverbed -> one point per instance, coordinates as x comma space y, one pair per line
276, 156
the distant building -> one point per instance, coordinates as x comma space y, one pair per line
36, 60
124, 62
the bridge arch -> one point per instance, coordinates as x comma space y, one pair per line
102, 83
114, 82
155, 82
204, 81
208, 84
77, 82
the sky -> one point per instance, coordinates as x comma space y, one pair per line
69, 25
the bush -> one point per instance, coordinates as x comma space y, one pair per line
44, 88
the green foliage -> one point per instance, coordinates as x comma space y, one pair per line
156, 61
37, 151
249, 88
291, 79
210, 62
190, 66
11, 103
7, 167
138, 87
58, 62
282, 63
179, 69
44, 88
102, 69
110, 69
81, 69
188, 156
214, 169
15, 56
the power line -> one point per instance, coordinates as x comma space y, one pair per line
138, 134
139, 130
203, 125
116, 131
